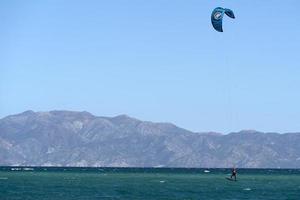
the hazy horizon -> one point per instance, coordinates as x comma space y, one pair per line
154, 60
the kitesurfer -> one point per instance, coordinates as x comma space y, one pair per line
233, 173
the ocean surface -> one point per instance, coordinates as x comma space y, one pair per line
41, 183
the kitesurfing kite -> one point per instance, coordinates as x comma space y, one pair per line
217, 17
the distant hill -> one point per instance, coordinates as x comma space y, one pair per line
65, 138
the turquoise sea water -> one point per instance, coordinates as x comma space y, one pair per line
137, 183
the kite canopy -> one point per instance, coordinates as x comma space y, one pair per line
217, 17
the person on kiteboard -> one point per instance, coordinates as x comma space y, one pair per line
233, 173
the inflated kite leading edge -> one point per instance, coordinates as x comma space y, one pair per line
217, 17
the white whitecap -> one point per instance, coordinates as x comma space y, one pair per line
15, 169
28, 169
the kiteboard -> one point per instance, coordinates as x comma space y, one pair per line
230, 179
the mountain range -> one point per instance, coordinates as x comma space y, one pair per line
68, 138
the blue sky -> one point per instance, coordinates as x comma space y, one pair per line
157, 60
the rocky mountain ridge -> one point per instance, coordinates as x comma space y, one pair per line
67, 138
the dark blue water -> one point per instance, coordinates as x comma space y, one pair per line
146, 183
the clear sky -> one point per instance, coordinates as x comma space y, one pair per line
157, 60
